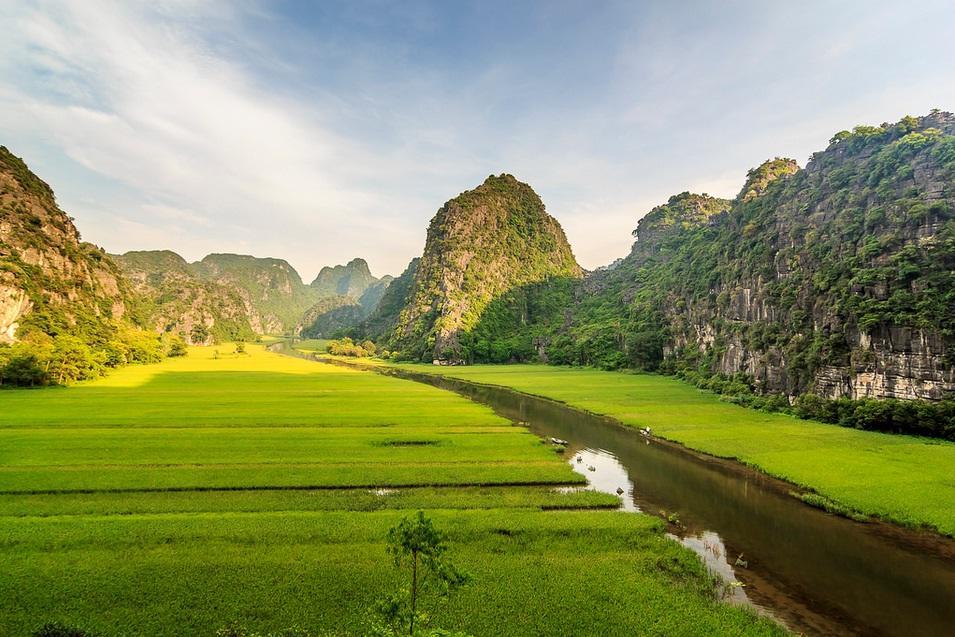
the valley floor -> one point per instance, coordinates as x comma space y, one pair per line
904, 479
177, 498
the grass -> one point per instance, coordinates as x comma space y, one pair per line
177, 498
312, 344
905, 479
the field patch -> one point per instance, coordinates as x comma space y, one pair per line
905, 479
178, 498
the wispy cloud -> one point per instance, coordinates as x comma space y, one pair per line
202, 126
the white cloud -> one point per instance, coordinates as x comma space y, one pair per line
132, 93
218, 126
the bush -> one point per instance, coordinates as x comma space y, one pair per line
347, 347
919, 418
175, 346
56, 629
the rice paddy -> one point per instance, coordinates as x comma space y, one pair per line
178, 498
904, 479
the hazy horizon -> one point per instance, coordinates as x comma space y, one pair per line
320, 134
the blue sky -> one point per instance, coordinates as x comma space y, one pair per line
316, 132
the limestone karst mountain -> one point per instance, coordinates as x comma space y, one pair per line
50, 281
480, 244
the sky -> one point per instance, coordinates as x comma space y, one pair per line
317, 132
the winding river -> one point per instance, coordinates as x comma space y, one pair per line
817, 573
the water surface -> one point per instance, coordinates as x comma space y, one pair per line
817, 573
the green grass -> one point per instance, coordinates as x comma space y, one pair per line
904, 479
177, 498
312, 344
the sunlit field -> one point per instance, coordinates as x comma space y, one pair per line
177, 498
901, 478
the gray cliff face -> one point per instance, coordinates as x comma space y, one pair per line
850, 294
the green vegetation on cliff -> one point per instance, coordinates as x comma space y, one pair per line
480, 245
837, 279
175, 299
66, 311
349, 294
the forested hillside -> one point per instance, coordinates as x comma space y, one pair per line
66, 311
175, 298
837, 279
348, 295
480, 245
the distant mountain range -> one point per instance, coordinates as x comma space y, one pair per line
837, 278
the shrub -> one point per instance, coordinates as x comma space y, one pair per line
56, 629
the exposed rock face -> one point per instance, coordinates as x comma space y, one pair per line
479, 245
177, 299
381, 321
272, 291
349, 293
351, 279
838, 279
49, 279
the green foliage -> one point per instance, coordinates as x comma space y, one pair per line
347, 347
416, 543
39, 359
918, 418
56, 629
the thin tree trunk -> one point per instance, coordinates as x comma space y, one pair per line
414, 590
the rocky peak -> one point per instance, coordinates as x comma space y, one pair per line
480, 245
351, 279
759, 178
681, 212
50, 281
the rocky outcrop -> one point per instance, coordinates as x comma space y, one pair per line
351, 279
272, 291
836, 279
480, 245
175, 298
50, 281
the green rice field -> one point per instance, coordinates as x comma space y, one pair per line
178, 498
904, 479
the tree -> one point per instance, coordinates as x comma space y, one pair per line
416, 543
176, 346
199, 334
73, 360
240, 347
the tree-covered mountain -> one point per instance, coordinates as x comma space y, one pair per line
66, 311
271, 289
348, 295
233, 295
480, 245
175, 298
837, 279
351, 279
51, 282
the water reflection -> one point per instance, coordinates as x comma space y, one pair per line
817, 573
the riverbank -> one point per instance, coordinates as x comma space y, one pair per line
902, 479
259, 489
